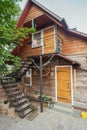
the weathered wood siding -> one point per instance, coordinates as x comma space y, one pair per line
76, 49
49, 79
48, 47
72, 44
49, 40
46, 89
33, 13
80, 80
29, 51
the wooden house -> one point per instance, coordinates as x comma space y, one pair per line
64, 55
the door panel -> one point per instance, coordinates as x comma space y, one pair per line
63, 84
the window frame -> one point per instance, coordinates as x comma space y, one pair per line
29, 74
41, 44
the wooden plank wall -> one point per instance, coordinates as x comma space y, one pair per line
75, 48
72, 44
48, 36
33, 13
48, 80
49, 40
80, 80
29, 51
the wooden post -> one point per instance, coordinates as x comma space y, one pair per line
41, 85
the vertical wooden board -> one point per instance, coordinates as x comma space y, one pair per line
49, 40
64, 85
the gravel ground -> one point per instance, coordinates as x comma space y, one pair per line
48, 120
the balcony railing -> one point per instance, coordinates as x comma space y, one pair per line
48, 41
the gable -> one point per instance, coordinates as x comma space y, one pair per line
44, 18
33, 13
34, 9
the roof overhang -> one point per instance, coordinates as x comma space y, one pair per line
47, 12
58, 20
58, 55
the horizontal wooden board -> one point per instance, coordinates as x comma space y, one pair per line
33, 13
71, 43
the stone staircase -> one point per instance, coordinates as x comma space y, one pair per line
17, 99
24, 66
66, 109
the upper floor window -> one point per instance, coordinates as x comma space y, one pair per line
37, 39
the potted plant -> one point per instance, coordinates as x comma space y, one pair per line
48, 100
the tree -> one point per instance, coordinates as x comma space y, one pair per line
10, 35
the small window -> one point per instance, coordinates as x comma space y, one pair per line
29, 75
37, 40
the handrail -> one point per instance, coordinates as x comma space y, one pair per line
57, 35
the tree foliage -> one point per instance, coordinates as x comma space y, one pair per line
10, 35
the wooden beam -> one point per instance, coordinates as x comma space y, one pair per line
41, 85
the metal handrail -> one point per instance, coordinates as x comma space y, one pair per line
52, 36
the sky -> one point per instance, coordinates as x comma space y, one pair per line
74, 11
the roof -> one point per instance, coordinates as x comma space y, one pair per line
78, 33
66, 58
57, 55
49, 12
62, 21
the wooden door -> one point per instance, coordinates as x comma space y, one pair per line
63, 84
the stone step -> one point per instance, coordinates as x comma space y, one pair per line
14, 89
9, 88
21, 99
25, 113
6, 78
15, 93
8, 82
63, 111
17, 98
65, 105
23, 62
20, 102
10, 85
23, 107
26, 65
66, 109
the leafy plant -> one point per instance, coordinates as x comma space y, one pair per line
36, 92
46, 98
34, 107
10, 35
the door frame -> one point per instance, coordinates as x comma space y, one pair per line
71, 77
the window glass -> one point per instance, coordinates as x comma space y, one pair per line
36, 40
